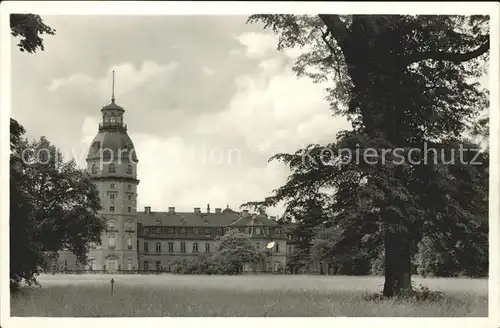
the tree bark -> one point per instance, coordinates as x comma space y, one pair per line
397, 264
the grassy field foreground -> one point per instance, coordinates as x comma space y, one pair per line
260, 295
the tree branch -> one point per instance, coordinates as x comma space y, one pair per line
454, 57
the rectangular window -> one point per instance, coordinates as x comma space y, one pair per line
111, 242
195, 247
218, 232
111, 208
158, 247
92, 264
129, 197
207, 248
112, 185
170, 247
277, 248
158, 231
226, 230
183, 231
170, 231
207, 232
129, 187
130, 209
146, 231
146, 265
112, 196
146, 247
158, 265
195, 231
277, 232
129, 264
129, 242
257, 231
266, 231
183, 247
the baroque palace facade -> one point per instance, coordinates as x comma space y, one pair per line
151, 240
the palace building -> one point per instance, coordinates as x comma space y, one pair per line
151, 240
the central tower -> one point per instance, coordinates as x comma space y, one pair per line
112, 163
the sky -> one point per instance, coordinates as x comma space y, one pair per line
207, 99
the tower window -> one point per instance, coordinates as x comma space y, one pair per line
111, 225
94, 169
111, 241
111, 168
129, 169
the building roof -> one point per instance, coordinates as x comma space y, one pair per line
115, 142
254, 220
191, 219
113, 106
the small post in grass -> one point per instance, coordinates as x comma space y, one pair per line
112, 283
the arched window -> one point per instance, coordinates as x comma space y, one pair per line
94, 169
111, 168
111, 225
112, 119
129, 169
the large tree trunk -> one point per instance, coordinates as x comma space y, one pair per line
397, 264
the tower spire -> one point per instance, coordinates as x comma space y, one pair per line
113, 90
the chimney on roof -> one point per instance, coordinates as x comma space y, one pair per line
245, 212
171, 210
197, 210
218, 210
147, 209
208, 208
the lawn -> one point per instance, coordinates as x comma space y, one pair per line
259, 295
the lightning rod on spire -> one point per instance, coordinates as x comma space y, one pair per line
113, 90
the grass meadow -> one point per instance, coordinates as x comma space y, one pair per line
249, 296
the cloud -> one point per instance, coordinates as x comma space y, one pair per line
257, 44
208, 71
128, 78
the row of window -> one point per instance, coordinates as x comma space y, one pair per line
111, 224
113, 196
111, 169
112, 209
171, 248
257, 231
112, 242
195, 248
112, 185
